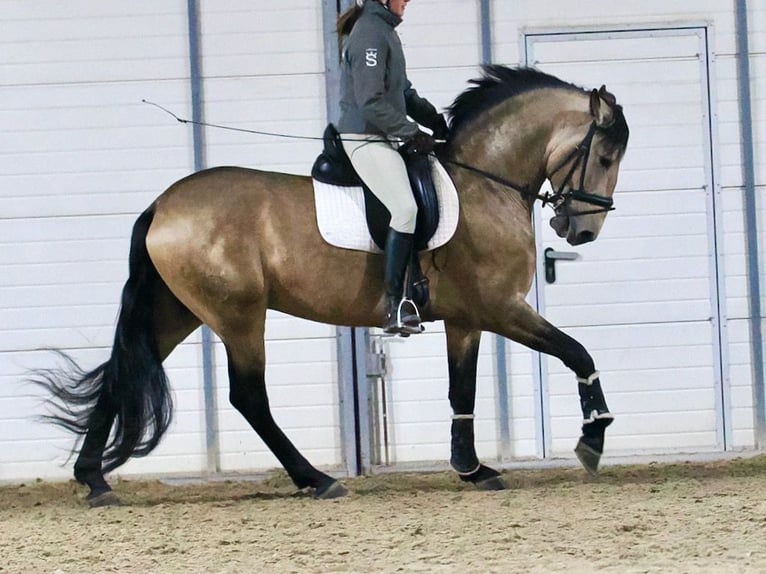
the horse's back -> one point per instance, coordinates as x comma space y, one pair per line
232, 188
217, 201
245, 239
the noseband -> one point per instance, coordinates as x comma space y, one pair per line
580, 155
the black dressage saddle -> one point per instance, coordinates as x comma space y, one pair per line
333, 167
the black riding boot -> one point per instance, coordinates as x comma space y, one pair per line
398, 251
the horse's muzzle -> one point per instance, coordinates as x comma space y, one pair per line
581, 237
566, 228
560, 224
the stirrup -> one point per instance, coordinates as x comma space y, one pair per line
409, 324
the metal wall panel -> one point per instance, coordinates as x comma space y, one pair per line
48, 42
81, 157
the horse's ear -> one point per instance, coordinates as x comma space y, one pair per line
602, 107
607, 96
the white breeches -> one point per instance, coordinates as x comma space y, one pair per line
382, 168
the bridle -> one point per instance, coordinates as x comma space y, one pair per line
578, 156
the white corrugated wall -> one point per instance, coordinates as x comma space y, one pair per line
82, 156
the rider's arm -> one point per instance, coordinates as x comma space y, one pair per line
368, 67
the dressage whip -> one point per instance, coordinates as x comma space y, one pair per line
229, 128
258, 132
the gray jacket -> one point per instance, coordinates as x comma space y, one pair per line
376, 96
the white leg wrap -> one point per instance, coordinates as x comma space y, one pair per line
463, 418
595, 415
478, 466
589, 380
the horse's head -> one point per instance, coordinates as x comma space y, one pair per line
519, 126
583, 163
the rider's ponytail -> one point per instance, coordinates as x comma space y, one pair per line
347, 20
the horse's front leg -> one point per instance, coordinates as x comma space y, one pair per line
524, 325
463, 355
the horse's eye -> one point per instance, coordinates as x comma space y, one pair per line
605, 162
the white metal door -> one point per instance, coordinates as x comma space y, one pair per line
643, 297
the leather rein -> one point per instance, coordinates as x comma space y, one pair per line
579, 155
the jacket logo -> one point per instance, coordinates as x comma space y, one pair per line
371, 57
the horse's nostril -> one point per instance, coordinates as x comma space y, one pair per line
585, 237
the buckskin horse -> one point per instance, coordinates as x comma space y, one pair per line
223, 245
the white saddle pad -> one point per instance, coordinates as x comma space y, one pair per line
343, 223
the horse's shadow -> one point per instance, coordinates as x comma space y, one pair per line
278, 487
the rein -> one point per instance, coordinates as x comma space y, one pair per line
579, 154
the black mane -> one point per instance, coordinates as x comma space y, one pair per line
499, 83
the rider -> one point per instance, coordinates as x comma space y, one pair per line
376, 98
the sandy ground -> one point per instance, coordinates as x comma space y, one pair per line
689, 517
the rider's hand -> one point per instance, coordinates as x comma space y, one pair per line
421, 143
440, 128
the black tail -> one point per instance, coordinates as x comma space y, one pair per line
132, 383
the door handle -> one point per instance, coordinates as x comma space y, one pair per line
551, 256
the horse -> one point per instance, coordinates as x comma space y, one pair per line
223, 245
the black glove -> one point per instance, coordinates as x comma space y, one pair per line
439, 127
421, 143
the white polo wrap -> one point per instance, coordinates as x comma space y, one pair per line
589, 380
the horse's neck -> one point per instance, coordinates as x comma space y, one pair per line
513, 140
504, 145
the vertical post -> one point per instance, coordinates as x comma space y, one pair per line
348, 400
198, 138
351, 369
503, 401
501, 347
751, 224
362, 381
331, 9
486, 32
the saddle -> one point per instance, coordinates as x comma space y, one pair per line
333, 167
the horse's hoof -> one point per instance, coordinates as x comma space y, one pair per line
493, 483
485, 478
108, 498
591, 444
334, 490
588, 456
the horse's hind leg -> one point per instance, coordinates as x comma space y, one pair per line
173, 322
527, 327
463, 355
248, 395
87, 467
